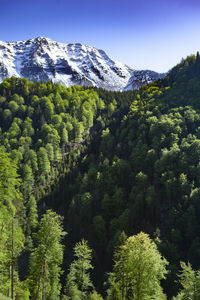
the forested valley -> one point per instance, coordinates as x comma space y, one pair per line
100, 190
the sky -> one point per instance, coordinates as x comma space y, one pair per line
144, 34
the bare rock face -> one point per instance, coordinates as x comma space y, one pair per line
42, 59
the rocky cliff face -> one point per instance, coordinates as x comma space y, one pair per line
42, 59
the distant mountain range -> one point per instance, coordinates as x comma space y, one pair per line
41, 59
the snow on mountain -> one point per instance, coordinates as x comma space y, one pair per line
42, 59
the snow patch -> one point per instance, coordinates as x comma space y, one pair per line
68, 64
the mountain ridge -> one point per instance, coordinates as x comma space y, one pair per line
42, 59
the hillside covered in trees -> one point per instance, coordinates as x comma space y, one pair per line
84, 173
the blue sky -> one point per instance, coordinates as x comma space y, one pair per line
145, 34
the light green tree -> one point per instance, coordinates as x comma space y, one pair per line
95, 296
46, 258
11, 235
138, 270
43, 161
79, 283
190, 282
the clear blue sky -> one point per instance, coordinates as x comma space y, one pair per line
145, 34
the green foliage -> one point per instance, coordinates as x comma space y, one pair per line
109, 161
39, 123
142, 171
46, 258
78, 280
11, 235
2, 297
138, 269
95, 296
190, 282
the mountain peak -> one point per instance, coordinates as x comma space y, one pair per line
42, 59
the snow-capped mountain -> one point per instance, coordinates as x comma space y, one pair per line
42, 59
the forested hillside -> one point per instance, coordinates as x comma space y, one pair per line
112, 165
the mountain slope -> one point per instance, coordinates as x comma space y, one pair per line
142, 173
109, 162
42, 59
